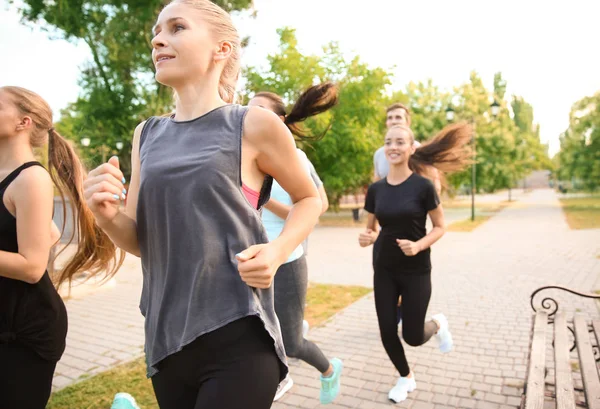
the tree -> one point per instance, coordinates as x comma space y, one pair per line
579, 156
534, 154
428, 108
343, 157
117, 86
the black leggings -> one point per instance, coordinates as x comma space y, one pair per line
291, 282
416, 292
25, 378
232, 367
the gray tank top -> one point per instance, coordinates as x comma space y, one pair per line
192, 218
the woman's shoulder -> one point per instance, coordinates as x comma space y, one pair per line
422, 181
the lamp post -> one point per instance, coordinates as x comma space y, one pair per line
450, 114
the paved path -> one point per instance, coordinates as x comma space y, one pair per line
482, 281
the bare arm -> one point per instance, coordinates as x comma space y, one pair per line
411, 248
433, 174
324, 199
32, 195
437, 182
277, 156
54, 233
369, 236
279, 209
282, 210
120, 226
439, 228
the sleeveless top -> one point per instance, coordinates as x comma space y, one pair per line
33, 315
192, 219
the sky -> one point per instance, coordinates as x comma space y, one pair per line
547, 51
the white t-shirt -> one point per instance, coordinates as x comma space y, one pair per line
380, 163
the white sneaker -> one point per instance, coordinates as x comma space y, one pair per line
283, 387
305, 328
443, 335
399, 393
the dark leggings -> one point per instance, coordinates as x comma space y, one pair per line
416, 292
25, 378
291, 282
232, 367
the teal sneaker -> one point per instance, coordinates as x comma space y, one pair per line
124, 401
330, 385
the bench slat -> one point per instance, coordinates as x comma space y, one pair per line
565, 396
534, 398
587, 363
596, 326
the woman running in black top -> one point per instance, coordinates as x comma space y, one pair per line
33, 319
400, 204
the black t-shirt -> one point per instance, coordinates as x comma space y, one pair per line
402, 213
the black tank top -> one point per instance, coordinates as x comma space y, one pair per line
33, 315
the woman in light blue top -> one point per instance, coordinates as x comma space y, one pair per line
291, 279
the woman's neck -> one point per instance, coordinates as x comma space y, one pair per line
15, 151
398, 173
195, 100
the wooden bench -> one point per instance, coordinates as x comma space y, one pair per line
578, 333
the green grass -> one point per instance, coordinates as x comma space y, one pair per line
467, 225
342, 219
479, 207
582, 212
323, 301
98, 392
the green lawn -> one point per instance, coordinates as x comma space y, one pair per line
582, 212
323, 301
468, 224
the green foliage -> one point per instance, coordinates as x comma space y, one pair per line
343, 157
579, 157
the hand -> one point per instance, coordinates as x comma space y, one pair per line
367, 238
409, 248
258, 264
104, 189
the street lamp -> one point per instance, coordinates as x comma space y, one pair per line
85, 142
495, 107
450, 114
119, 145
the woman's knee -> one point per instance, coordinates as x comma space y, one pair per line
293, 349
414, 339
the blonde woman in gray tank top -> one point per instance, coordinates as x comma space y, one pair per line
199, 179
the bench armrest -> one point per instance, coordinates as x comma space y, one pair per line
550, 304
